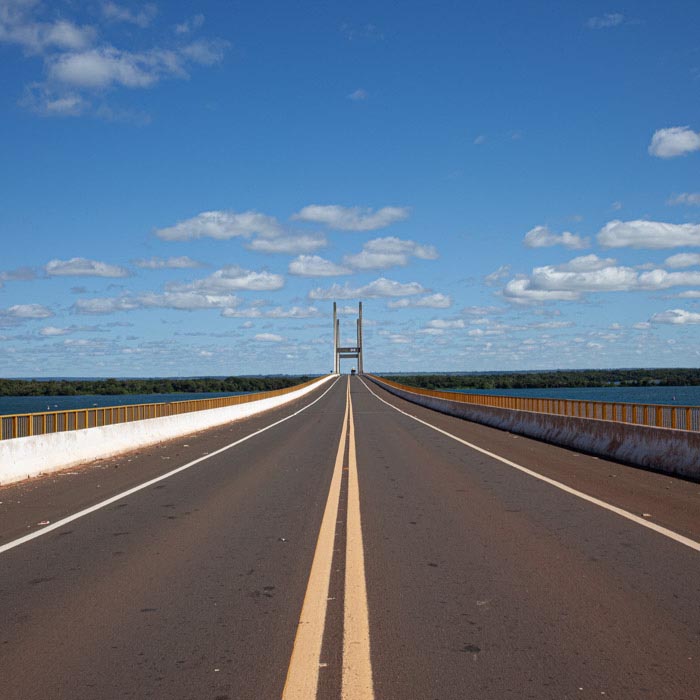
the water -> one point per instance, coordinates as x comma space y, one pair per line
39, 404
673, 395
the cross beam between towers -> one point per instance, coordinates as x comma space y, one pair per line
342, 353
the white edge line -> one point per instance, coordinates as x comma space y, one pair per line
591, 499
75, 516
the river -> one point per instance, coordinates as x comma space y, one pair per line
38, 404
673, 395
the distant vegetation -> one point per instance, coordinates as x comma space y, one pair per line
554, 379
73, 387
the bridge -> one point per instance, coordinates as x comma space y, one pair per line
354, 539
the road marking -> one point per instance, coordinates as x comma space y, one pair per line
302, 675
303, 672
102, 504
357, 663
591, 499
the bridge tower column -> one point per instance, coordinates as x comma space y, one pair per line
360, 345
339, 352
336, 362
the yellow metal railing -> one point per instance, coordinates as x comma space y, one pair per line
654, 415
26, 424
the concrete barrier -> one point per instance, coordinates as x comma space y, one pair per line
675, 452
25, 457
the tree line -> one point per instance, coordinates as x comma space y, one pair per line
73, 387
553, 379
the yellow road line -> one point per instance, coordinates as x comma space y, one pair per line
357, 664
302, 675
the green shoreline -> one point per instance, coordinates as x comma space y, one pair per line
552, 379
74, 387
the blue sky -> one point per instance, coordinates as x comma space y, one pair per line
186, 188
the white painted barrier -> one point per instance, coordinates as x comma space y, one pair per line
664, 450
25, 457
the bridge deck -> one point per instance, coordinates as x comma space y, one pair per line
480, 580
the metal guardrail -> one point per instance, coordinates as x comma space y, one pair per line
654, 415
26, 424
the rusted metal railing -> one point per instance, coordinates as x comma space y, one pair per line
654, 415
26, 424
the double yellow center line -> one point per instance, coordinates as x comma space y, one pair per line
302, 676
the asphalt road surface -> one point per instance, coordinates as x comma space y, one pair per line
350, 545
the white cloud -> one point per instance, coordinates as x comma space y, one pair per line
118, 13
351, 218
205, 52
690, 294
482, 310
586, 263
64, 105
27, 311
381, 287
186, 300
551, 325
674, 141
190, 25
268, 338
606, 21
76, 64
316, 266
606, 279
689, 198
232, 278
21, 273
682, 260
542, 237
290, 245
480, 140
521, 291
676, 317
569, 281
443, 324
382, 253
276, 312
368, 32
18, 26
660, 279
493, 277
105, 66
221, 225
175, 263
52, 331
104, 305
82, 267
432, 301
648, 234
358, 95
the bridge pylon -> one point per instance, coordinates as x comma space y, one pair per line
341, 353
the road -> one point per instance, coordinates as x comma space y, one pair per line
352, 545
